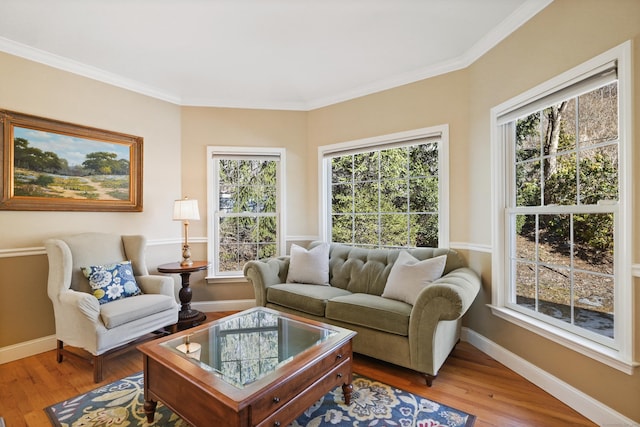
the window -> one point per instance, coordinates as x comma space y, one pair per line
387, 191
564, 208
246, 200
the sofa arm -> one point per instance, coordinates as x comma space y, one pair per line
265, 273
447, 298
151, 284
459, 289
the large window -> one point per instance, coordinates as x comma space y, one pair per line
387, 191
246, 200
564, 207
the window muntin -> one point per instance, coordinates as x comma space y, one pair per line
246, 203
387, 191
566, 190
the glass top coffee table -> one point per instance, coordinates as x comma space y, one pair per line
259, 367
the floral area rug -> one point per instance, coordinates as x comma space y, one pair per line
120, 404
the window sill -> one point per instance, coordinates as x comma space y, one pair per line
225, 279
598, 352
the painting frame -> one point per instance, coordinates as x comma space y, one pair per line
102, 183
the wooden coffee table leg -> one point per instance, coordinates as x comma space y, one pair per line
150, 409
347, 389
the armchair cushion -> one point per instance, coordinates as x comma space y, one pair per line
111, 282
127, 310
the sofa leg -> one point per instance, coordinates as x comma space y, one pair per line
429, 379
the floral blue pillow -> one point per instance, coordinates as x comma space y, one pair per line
112, 282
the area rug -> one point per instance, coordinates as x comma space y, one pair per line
372, 404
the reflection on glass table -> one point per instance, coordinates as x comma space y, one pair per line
244, 348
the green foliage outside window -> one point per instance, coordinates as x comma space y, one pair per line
386, 198
248, 211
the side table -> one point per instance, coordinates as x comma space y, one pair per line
187, 317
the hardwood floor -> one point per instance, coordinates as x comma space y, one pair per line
469, 380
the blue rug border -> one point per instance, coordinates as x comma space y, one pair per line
54, 420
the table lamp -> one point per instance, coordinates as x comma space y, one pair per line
184, 210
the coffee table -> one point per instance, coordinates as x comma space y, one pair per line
259, 367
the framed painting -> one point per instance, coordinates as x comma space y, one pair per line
49, 165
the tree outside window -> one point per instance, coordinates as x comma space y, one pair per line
566, 189
247, 210
386, 197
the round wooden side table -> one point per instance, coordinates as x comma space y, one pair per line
187, 317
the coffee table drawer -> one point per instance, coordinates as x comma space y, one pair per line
282, 393
314, 391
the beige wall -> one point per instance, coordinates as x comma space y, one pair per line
436, 101
203, 127
28, 87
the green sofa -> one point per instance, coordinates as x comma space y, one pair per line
419, 336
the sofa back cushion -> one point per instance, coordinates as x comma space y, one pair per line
361, 270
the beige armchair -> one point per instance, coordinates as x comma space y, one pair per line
105, 329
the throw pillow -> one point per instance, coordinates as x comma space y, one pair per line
309, 266
112, 282
409, 276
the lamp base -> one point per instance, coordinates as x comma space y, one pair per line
186, 256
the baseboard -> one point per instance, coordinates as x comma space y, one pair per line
589, 407
27, 348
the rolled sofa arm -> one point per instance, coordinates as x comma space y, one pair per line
447, 298
265, 273
460, 288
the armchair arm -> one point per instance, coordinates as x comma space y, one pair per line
447, 298
265, 273
84, 303
152, 284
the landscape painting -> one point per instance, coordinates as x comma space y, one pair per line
52, 165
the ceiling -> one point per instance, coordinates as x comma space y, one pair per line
276, 54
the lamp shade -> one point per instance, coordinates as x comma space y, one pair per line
185, 209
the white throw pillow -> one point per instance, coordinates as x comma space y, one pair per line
309, 266
408, 276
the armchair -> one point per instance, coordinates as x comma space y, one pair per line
103, 329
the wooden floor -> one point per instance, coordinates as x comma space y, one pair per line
469, 380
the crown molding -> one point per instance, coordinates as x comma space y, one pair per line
75, 67
496, 35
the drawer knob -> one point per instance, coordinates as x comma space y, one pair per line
276, 424
339, 356
339, 375
276, 400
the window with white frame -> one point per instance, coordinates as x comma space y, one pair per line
563, 210
387, 191
246, 199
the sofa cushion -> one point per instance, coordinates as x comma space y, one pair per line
409, 276
310, 299
309, 266
371, 311
127, 310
